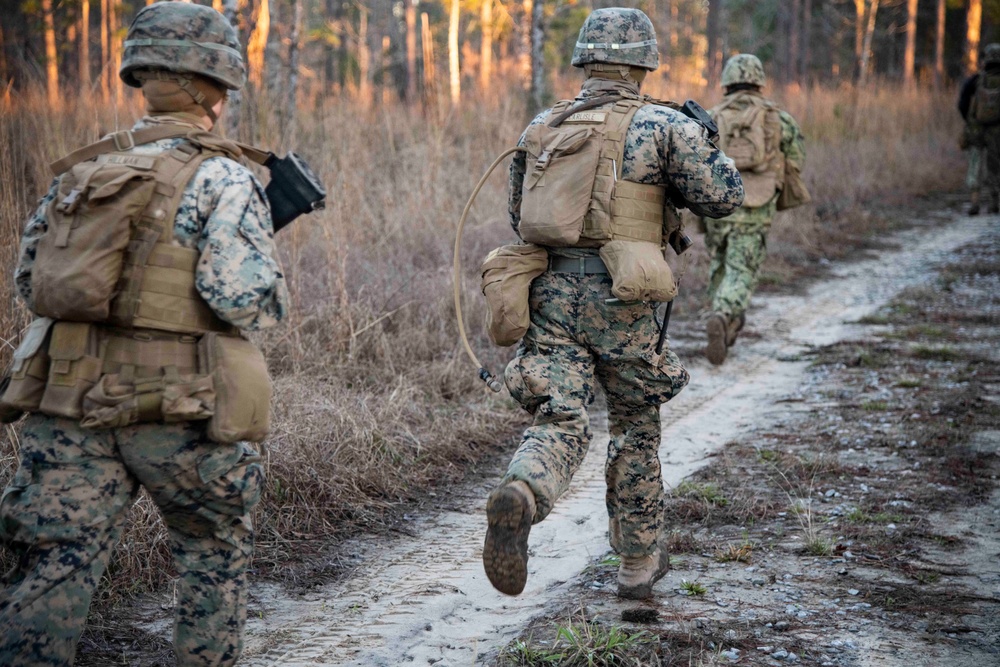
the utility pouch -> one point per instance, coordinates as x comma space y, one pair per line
81, 256
24, 383
507, 275
74, 368
794, 193
121, 400
242, 388
638, 271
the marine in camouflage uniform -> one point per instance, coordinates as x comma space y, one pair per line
63, 511
984, 138
580, 336
737, 244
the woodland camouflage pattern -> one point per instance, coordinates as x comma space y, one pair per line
617, 25
194, 25
738, 243
63, 512
576, 338
743, 68
224, 215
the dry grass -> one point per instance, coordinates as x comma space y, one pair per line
374, 402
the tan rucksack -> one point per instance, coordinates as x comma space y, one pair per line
751, 136
986, 102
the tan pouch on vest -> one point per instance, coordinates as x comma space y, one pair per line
118, 400
507, 275
80, 258
74, 367
24, 383
242, 388
794, 193
638, 271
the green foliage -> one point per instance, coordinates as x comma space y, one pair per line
584, 644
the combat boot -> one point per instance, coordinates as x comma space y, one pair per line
734, 329
509, 513
636, 575
717, 328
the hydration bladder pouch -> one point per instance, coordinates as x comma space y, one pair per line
638, 271
507, 275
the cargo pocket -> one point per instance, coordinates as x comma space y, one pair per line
24, 383
74, 368
658, 382
527, 381
232, 478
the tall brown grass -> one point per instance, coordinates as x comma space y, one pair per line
374, 402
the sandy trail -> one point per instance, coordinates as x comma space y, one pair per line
426, 600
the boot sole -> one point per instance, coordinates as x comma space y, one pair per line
505, 553
717, 348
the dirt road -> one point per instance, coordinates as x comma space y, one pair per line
425, 600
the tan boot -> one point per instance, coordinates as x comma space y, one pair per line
716, 328
509, 513
636, 576
734, 329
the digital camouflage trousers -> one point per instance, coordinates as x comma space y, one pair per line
578, 337
735, 266
62, 514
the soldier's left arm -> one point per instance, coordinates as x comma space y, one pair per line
238, 274
792, 141
707, 180
34, 230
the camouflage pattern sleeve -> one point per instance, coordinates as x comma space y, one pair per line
792, 142
33, 232
517, 169
238, 275
707, 180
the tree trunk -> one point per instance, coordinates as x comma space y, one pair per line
386, 69
115, 44
105, 53
486, 46
525, 41
939, 43
83, 53
866, 48
364, 61
4, 74
712, 68
807, 16
256, 45
293, 71
430, 75
674, 32
974, 24
910, 54
51, 64
411, 51
859, 37
454, 76
234, 101
538, 54
794, 54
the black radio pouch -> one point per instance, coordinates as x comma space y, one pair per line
294, 189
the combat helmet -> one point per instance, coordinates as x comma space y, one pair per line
617, 36
991, 55
185, 38
744, 68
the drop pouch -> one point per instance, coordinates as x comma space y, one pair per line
242, 388
24, 383
638, 271
74, 368
507, 274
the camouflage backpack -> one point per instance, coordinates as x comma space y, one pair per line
986, 103
750, 134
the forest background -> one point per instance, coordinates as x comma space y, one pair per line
399, 106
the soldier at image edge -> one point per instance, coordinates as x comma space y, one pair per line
155, 387
768, 148
579, 333
979, 104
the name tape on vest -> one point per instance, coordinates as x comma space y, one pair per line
137, 161
587, 117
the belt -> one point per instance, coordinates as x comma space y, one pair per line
579, 265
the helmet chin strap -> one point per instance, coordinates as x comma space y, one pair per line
615, 72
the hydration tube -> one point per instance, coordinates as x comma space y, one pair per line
484, 374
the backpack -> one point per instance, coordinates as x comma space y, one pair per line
986, 103
751, 136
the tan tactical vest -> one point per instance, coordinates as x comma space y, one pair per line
750, 134
123, 335
574, 196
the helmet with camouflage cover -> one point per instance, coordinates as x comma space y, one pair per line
991, 55
617, 36
185, 38
743, 68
